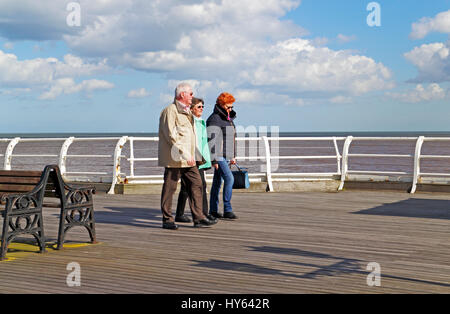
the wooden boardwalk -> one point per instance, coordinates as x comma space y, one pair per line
282, 243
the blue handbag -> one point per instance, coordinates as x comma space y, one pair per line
241, 180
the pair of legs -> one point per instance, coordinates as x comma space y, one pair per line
184, 195
223, 173
191, 177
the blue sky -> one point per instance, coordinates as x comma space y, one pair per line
305, 66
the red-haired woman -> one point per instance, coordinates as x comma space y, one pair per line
222, 140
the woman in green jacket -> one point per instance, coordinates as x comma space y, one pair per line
203, 162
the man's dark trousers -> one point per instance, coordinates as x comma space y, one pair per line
191, 178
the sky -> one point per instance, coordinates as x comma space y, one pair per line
300, 66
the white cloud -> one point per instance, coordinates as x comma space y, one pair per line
33, 20
420, 94
440, 23
171, 23
68, 86
432, 62
341, 99
138, 93
345, 39
244, 46
287, 67
39, 71
297, 65
15, 91
52, 74
47, 19
246, 96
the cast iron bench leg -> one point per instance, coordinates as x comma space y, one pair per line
78, 210
28, 211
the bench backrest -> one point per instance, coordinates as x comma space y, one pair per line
22, 181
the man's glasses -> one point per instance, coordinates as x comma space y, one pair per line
200, 107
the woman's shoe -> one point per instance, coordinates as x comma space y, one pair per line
216, 215
182, 218
211, 217
229, 215
204, 223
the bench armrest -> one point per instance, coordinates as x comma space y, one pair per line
88, 189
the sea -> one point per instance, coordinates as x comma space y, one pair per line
34, 155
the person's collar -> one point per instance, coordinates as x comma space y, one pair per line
182, 107
222, 112
196, 118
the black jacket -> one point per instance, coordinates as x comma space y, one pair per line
221, 134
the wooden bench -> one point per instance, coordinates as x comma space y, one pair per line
25, 193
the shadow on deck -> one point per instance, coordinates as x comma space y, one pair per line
413, 208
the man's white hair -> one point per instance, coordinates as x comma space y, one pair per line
182, 87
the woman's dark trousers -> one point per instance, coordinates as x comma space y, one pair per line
183, 196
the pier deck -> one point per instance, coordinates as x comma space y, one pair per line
282, 243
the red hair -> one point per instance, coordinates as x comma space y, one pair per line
225, 98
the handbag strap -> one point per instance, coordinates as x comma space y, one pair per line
236, 167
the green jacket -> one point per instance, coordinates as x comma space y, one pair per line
202, 141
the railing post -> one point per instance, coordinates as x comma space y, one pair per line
347, 143
63, 155
419, 144
131, 156
338, 156
8, 153
268, 164
117, 156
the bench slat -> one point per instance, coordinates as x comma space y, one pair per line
20, 173
22, 180
16, 188
48, 193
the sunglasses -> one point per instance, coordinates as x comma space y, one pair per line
201, 106
230, 107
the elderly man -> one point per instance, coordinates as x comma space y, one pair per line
176, 152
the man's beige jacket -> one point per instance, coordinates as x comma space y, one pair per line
176, 137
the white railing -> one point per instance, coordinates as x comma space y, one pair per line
265, 149
418, 157
264, 146
63, 155
416, 175
346, 155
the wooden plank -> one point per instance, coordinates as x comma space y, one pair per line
16, 188
281, 243
20, 173
19, 180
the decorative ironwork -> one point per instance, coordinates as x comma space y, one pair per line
23, 212
77, 210
23, 215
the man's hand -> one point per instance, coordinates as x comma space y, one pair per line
216, 166
191, 162
233, 161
